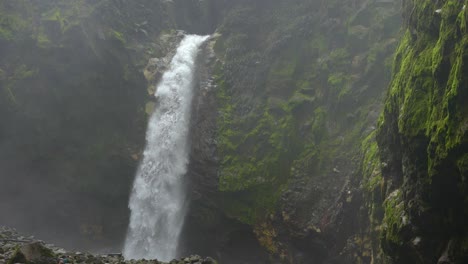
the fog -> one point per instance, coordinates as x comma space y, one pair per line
296, 131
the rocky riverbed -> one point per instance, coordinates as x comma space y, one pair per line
15, 248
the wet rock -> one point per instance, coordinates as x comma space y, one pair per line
194, 259
17, 257
35, 251
209, 260
60, 251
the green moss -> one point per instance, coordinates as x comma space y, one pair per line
319, 42
426, 111
340, 56
283, 72
5, 33
336, 79
118, 36
293, 102
70, 14
284, 68
414, 103
55, 15
267, 236
17, 257
21, 73
462, 164
252, 205
371, 163
422, 109
256, 153
372, 183
13, 25
319, 129
42, 40
268, 141
424, 105
394, 220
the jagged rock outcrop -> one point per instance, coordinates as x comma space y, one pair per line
417, 182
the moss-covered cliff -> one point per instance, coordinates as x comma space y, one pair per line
299, 85
417, 190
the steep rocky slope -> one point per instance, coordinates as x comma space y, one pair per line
417, 189
296, 87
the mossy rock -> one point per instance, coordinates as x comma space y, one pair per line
17, 257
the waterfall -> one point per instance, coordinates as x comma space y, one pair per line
157, 201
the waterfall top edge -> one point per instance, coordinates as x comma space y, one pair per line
201, 37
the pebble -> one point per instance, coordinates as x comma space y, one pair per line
7, 250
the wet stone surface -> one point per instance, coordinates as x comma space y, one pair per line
15, 248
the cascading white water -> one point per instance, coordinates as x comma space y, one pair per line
157, 202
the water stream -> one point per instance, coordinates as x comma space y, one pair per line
158, 200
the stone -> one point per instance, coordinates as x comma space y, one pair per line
416, 241
17, 257
194, 258
149, 108
35, 251
60, 251
8, 246
209, 260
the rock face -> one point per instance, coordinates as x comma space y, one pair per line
208, 229
33, 252
296, 86
419, 189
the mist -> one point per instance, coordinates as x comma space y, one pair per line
245, 131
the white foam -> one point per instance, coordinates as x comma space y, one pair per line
157, 202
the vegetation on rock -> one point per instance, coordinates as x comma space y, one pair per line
422, 139
295, 98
